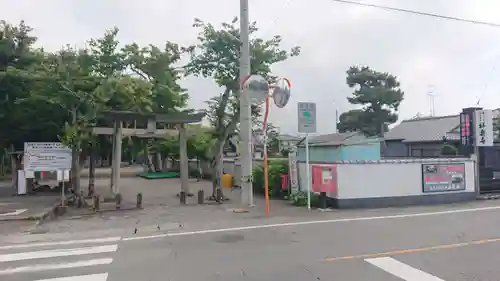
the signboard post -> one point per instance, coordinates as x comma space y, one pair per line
443, 177
292, 164
47, 157
307, 125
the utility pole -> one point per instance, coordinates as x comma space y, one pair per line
245, 118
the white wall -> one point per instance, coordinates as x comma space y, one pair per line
386, 178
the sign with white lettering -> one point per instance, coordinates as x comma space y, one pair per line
46, 156
465, 130
443, 177
483, 127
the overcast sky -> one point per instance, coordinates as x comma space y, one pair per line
457, 61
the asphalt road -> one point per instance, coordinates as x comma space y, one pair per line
449, 246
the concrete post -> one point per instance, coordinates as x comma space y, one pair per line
184, 166
117, 156
139, 201
118, 201
113, 141
201, 196
96, 206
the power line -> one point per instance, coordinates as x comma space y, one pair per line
491, 24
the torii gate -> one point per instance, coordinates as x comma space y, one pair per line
118, 132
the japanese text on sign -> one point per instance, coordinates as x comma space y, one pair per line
443, 177
44, 157
483, 121
465, 132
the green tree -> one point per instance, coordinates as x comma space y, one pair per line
378, 94
273, 146
67, 81
19, 62
216, 55
351, 121
157, 66
18, 65
198, 146
108, 63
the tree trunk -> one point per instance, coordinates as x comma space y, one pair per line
75, 161
216, 165
75, 169
15, 162
92, 164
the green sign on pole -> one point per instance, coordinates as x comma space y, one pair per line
307, 117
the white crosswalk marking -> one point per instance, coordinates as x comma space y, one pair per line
58, 253
54, 266
402, 270
91, 277
61, 243
28, 261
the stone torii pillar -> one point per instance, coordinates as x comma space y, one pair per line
117, 156
184, 163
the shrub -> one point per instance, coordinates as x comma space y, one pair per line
299, 198
277, 168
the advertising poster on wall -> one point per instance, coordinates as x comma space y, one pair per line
324, 178
443, 177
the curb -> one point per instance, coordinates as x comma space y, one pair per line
51, 212
106, 176
92, 213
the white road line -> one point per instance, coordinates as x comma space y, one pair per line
61, 243
58, 253
55, 266
92, 277
402, 270
15, 213
311, 222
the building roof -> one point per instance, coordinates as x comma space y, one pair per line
423, 129
348, 138
427, 129
286, 137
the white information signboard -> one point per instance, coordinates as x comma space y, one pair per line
307, 117
483, 127
46, 156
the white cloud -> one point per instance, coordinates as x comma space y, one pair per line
458, 59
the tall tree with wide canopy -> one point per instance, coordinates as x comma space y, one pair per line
216, 55
378, 94
157, 66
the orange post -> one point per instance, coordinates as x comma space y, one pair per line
266, 166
